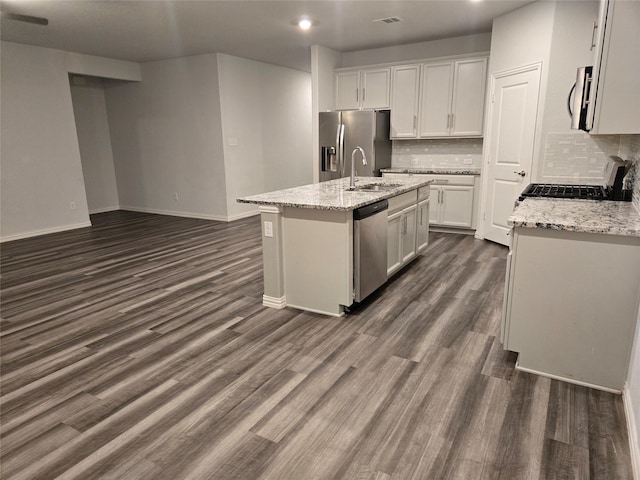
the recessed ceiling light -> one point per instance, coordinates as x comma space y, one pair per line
305, 23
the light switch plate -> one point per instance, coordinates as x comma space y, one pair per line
268, 229
233, 141
467, 161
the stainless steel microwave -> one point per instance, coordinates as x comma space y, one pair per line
579, 103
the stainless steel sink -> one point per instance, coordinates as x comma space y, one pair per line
375, 187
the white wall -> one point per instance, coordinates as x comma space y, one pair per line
166, 138
41, 172
523, 37
92, 127
323, 61
630, 150
570, 156
467, 44
266, 125
631, 394
40, 158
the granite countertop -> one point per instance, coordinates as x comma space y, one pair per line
588, 216
432, 171
333, 195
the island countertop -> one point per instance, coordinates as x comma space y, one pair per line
588, 216
433, 170
333, 195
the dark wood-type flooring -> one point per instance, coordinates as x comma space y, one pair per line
139, 349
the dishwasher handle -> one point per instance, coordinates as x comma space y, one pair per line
371, 209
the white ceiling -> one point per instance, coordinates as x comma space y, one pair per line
263, 30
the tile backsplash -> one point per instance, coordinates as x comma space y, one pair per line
577, 157
444, 153
630, 150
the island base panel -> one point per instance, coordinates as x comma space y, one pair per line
318, 259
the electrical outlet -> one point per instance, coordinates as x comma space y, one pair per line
175, 196
467, 161
72, 205
268, 229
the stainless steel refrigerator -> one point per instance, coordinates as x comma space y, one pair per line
341, 132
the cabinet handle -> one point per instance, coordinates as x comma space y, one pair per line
415, 121
421, 212
364, 94
448, 120
593, 35
452, 121
357, 96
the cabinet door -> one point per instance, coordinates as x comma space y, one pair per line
409, 215
617, 97
423, 226
435, 205
347, 90
404, 101
375, 88
457, 206
468, 97
435, 99
394, 235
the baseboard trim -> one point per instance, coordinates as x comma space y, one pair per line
274, 302
461, 231
46, 231
104, 210
201, 216
240, 216
632, 431
565, 379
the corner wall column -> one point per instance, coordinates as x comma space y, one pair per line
272, 260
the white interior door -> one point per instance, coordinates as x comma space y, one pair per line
511, 132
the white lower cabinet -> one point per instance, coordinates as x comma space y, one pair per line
452, 201
401, 230
394, 239
571, 302
422, 236
452, 206
409, 216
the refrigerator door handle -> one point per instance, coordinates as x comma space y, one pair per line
340, 144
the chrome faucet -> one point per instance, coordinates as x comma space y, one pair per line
352, 182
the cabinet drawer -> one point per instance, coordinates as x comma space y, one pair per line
401, 201
449, 179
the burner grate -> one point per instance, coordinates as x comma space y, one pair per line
583, 192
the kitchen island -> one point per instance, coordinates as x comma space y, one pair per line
308, 238
572, 289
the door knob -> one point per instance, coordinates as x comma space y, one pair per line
522, 173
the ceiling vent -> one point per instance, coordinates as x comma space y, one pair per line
389, 20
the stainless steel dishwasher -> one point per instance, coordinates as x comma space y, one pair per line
369, 248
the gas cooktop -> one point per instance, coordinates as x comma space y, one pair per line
581, 192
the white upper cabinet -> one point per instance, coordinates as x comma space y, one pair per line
363, 89
452, 98
347, 90
435, 99
616, 89
404, 101
376, 86
448, 103
469, 91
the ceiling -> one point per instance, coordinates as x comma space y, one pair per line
261, 30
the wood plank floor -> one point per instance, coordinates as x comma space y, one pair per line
139, 349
